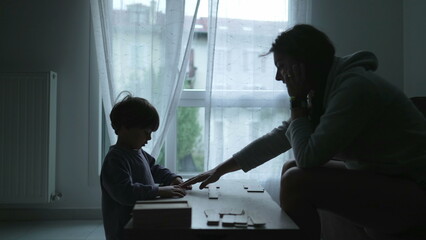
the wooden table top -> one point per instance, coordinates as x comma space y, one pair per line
232, 194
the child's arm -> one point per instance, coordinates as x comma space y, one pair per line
117, 181
159, 173
171, 191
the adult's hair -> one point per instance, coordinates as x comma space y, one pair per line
309, 45
134, 112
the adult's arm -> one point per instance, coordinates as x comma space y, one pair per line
264, 148
214, 174
348, 111
256, 153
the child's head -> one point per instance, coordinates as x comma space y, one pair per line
134, 113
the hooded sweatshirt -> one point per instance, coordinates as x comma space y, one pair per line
368, 123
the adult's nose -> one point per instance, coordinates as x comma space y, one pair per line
279, 77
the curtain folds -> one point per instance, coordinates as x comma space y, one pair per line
101, 30
175, 92
300, 11
245, 101
144, 46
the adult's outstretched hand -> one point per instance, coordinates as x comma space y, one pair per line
205, 177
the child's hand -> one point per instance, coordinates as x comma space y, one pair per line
171, 191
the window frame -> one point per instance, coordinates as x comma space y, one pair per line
198, 98
201, 98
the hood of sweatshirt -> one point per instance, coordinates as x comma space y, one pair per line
356, 63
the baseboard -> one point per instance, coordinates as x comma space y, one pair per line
49, 214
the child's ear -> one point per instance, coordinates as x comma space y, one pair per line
122, 129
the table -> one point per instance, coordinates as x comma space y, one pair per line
231, 195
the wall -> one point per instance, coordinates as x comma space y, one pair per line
375, 26
414, 47
55, 35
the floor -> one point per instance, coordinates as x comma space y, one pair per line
52, 230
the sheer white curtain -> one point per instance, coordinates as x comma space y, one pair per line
245, 100
143, 47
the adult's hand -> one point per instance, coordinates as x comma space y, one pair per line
214, 174
297, 84
178, 181
205, 177
171, 191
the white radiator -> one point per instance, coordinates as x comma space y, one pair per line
27, 137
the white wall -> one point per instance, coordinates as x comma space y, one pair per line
55, 35
415, 47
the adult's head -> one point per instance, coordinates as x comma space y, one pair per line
134, 112
305, 44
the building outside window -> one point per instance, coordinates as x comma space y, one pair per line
246, 102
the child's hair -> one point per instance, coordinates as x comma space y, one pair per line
134, 112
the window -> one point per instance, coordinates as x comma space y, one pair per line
229, 96
244, 101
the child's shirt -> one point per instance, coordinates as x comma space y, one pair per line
127, 176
